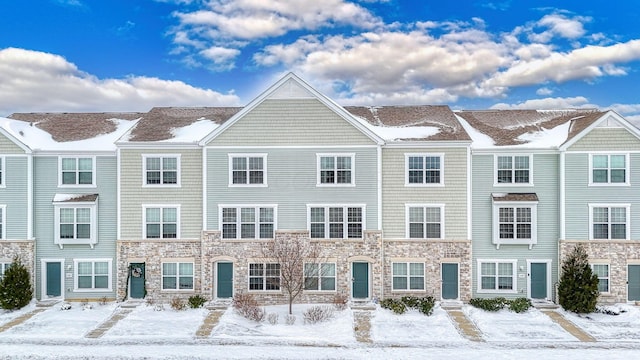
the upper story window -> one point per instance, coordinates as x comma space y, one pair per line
609, 222
424, 221
161, 222
161, 170
497, 276
424, 169
240, 222
515, 219
336, 222
609, 169
336, 169
513, 169
75, 219
77, 171
92, 275
247, 169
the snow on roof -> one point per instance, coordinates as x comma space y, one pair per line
75, 197
193, 132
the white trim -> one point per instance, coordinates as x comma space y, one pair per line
118, 197
161, 207
177, 276
609, 114
513, 169
43, 278
514, 277
562, 200
609, 206
408, 276
320, 276
247, 156
469, 196
496, 205
263, 277
93, 225
77, 171
3, 221
3, 172
424, 206
423, 156
161, 156
109, 262
345, 218
205, 177
319, 157
408, 144
30, 202
608, 273
262, 147
442, 280
379, 189
256, 208
627, 173
548, 262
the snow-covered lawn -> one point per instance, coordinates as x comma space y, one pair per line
604, 327
413, 328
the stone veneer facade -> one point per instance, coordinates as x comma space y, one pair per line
24, 250
618, 254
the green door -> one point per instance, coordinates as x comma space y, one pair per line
449, 281
136, 280
360, 274
54, 279
224, 289
538, 280
633, 281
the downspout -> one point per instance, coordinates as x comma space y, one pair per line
204, 220
379, 150
562, 220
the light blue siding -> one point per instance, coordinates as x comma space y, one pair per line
15, 195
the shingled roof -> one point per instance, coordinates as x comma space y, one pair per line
506, 127
440, 117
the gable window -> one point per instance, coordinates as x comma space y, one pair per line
320, 277
513, 169
408, 276
240, 222
161, 222
515, 219
177, 276
609, 169
3, 211
161, 170
609, 222
76, 220
77, 171
336, 222
497, 276
335, 169
602, 270
92, 275
264, 276
423, 169
247, 169
424, 221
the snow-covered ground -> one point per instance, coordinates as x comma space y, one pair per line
148, 334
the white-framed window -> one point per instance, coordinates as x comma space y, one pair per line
247, 169
161, 170
407, 276
77, 171
177, 276
513, 170
3, 221
609, 221
3, 267
336, 169
264, 277
497, 276
320, 276
424, 221
75, 223
2, 172
602, 270
424, 169
248, 222
515, 223
608, 169
92, 275
161, 221
336, 221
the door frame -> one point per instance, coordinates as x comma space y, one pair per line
442, 280
215, 278
129, 278
43, 278
549, 262
368, 280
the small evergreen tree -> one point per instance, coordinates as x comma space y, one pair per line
15, 287
578, 287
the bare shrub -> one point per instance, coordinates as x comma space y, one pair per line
178, 304
247, 306
340, 301
290, 319
272, 318
103, 301
316, 314
150, 301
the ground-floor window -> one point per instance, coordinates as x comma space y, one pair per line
3, 267
408, 276
497, 276
177, 276
264, 276
92, 274
602, 270
320, 276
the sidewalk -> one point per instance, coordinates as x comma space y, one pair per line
568, 326
464, 325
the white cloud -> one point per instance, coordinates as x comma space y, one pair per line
32, 81
560, 25
544, 91
547, 104
222, 57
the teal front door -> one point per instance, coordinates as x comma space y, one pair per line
54, 279
538, 281
360, 284
224, 273
449, 281
633, 281
136, 280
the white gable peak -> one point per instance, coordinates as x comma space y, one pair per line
290, 89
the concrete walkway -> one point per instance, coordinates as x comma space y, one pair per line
568, 326
204, 331
465, 327
108, 324
362, 325
20, 319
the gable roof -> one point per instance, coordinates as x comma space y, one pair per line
579, 131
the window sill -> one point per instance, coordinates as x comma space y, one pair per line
530, 243
609, 184
92, 290
402, 291
77, 186
335, 185
161, 186
496, 184
249, 185
62, 242
436, 185
497, 292
166, 291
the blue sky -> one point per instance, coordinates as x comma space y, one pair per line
131, 55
